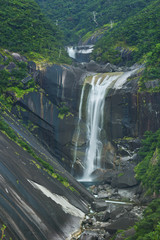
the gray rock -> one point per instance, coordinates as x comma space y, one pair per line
99, 205
92, 66
125, 179
108, 176
106, 216
103, 194
125, 234
152, 84
11, 66
5, 58
102, 216
97, 175
121, 223
26, 80
94, 189
18, 57
89, 235
107, 68
117, 213
31, 66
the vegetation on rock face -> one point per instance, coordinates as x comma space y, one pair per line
134, 40
147, 171
24, 29
149, 227
5, 128
15, 79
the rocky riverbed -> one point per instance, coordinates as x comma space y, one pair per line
119, 199
112, 209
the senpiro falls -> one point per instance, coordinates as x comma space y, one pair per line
91, 111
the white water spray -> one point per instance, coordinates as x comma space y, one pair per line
100, 85
94, 121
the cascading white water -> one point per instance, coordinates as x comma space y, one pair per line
100, 84
79, 53
94, 121
71, 52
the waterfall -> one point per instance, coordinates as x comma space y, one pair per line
99, 86
71, 52
80, 53
94, 122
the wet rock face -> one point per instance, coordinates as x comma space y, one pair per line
52, 108
60, 82
34, 205
126, 113
131, 113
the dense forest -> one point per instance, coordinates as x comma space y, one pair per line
76, 18
23, 28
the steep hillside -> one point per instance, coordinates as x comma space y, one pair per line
23, 28
79, 17
135, 39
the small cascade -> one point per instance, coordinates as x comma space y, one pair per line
99, 87
71, 52
80, 53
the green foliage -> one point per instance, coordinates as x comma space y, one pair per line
11, 80
2, 232
148, 228
23, 28
136, 39
75, 18
3, 236
147, 171
4, 77
63, 111
152, 70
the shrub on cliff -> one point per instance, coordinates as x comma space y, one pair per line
148, 170
148, 228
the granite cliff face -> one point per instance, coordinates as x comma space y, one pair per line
129, 112
53, 109
34, 203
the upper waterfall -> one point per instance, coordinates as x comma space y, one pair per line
80, 53
94, 117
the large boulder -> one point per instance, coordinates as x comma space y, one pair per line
120, 224
125, 178
125, 234
89, 235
